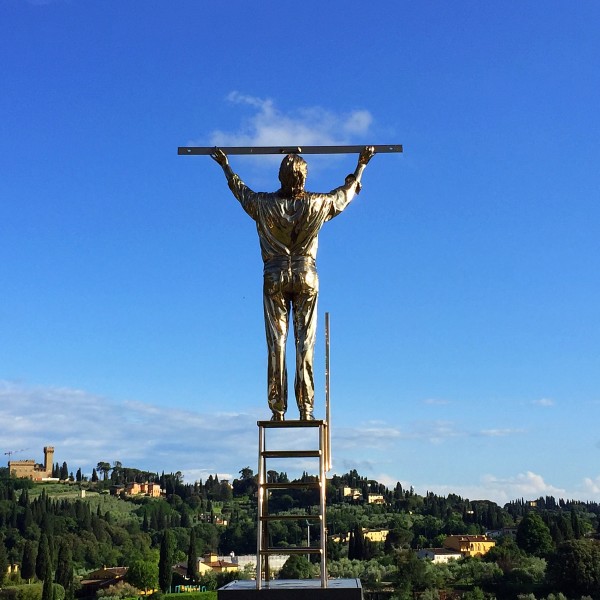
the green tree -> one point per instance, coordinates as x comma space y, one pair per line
165, 563
192, 558
575, 567
397, 538
64, 471
475, 594
507, 555
64, 568
43, 561
413, 574
104, 468
357, 547
3, 562
94, 476
28, 560
297, 566
345, 568
143, 574
576, 525
121, 589
48, 588
533, 535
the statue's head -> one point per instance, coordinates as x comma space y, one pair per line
292, 174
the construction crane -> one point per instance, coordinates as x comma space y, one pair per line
11, 452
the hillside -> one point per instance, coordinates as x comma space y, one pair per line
103, 529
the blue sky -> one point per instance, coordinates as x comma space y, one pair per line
463, 283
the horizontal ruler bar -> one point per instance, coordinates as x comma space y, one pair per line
290, 453
207, 150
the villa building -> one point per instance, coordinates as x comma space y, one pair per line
469, 545
29, 469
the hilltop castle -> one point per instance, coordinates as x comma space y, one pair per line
31, 470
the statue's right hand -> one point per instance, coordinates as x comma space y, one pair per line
219, 156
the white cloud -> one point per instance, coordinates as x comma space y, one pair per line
435, 401
371, 435
526, 485
270, 126
591, 487
544, 402
86, 428
500, 432
438, 431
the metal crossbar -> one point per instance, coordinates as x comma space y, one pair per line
255, 150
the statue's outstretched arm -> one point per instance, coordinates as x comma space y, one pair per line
221, 158
363, 160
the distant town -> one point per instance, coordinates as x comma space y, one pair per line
127, 532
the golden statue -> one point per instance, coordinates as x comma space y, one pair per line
288, 223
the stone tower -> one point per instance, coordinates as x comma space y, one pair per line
48, 459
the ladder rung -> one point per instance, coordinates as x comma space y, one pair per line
285, 550
291, 486
290, 517
285, 424
290, 453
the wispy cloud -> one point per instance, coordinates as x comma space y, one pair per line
86, 428
435, 401
380, 435
526, 485
372, 435
268, 125
543, 402
500, 432
592, 486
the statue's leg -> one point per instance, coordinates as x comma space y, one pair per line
305, 333
276, 310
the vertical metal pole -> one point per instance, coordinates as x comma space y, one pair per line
323, 489
327, 393
259, 527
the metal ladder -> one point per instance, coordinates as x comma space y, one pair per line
263, 551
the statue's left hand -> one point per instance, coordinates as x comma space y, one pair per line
366, 155
219, 156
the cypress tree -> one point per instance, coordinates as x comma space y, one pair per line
43, 564
576, 525
165, 563
192, 567
25, 520
351, 546
359, 543
24, 498
64, 569
28, 561
3, 562
48, 588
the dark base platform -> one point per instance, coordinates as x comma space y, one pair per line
292, 589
